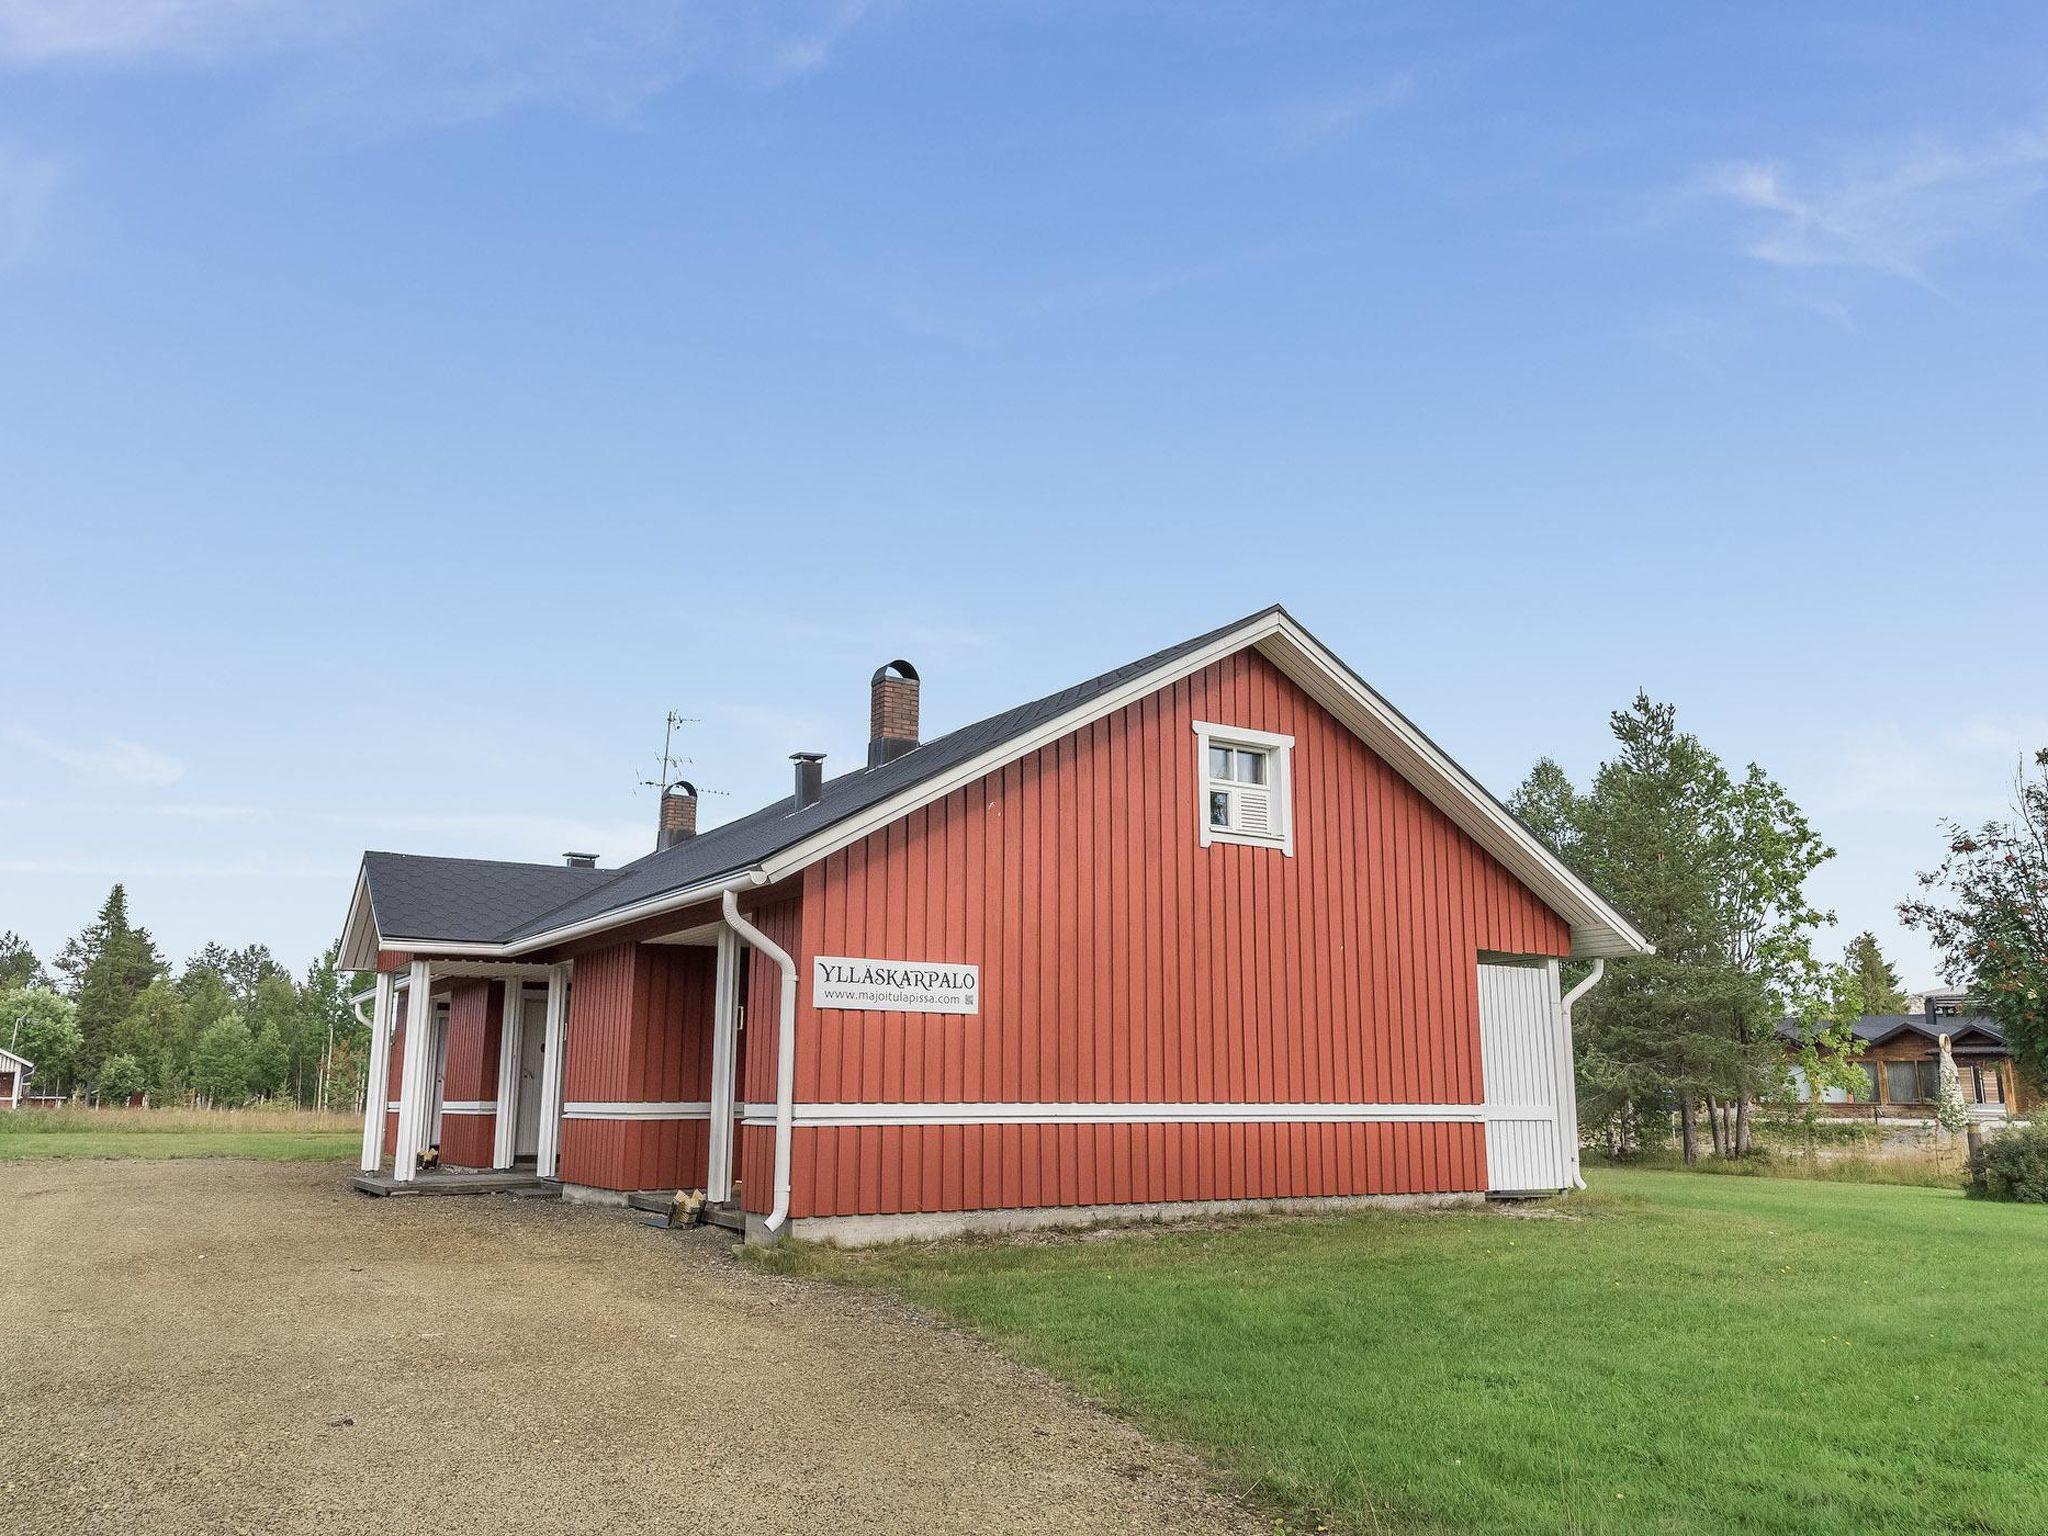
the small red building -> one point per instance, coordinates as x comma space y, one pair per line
1219, 927
15, 1072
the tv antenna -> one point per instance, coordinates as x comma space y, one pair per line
667, 777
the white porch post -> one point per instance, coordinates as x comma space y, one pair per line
377, 1081
511, 1032
413, 1084
724, 1016
548, 1156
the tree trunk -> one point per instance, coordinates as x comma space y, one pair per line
1689, 1129
1714, 1126
1742, 1127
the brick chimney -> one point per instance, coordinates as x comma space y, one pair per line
892, 712
678, 815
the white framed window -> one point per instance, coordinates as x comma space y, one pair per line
1246, 786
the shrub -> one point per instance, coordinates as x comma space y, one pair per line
2013, 1165
120, 1076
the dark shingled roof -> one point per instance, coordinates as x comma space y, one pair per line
495, 903
1882, 1026
417, 897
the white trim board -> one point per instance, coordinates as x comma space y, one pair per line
1144, 1114
469, 1106
603, 1109
1598, 930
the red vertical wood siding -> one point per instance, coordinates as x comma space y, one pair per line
394, 1073
475, 1020
1124, 963
639, 1032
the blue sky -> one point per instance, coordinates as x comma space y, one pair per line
402, 405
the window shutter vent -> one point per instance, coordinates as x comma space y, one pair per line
1254, 811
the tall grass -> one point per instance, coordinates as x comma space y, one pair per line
177, 1120
1933, 1164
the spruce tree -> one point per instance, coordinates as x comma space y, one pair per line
105, 967
1878, 982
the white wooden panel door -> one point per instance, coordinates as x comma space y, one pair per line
533, 1023
1526, 1065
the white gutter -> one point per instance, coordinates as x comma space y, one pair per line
1568, 1113
785, 1056
1592, 980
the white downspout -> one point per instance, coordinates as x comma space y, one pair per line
1570, 1110
785, 1056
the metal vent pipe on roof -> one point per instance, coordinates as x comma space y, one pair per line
810, 777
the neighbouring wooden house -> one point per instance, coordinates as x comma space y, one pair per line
15, 1071
1218, 927
1901, 1063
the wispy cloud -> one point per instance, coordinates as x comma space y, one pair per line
386, 61
1893, 217
1313, 121
112, 761
201, 811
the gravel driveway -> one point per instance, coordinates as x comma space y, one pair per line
225, 1346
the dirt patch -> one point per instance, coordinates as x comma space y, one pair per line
222, 1346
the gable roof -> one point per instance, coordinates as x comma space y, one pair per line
1876, 1028
775, 841
19, 1060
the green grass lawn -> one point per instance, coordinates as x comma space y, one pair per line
1677, 1354
272, 1135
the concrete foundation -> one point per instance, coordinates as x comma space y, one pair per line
864, 1231
590, 1194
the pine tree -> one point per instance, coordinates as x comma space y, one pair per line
1878, 982
1548, 805
18, 964
1713, 870
105, 967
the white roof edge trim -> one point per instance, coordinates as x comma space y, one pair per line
844, 834
362, 913
1598, 930
16, 1056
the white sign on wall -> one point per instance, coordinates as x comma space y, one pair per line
895, 986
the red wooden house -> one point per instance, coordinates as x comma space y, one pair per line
1218, 927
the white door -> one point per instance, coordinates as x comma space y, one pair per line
440, 1073
533, 1037
1526, 1063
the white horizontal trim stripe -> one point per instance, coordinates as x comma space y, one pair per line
598, 1109
1141, 1114
469, 1107
391, 1106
